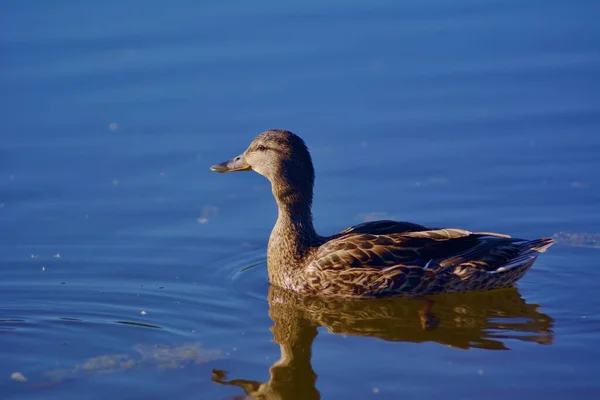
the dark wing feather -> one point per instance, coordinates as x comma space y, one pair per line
383, 227
377, 251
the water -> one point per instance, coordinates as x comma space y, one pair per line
129, 271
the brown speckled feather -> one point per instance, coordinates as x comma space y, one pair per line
409, 259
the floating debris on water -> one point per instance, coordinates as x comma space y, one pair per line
208, 213
35, 256
143, 312
113, 126
435, 180
161, 357
578, 239
19, 377
57, 255
579, 185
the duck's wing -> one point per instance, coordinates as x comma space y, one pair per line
365, 264
417, 248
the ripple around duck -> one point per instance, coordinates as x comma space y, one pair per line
246, 275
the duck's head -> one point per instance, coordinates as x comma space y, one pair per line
279, 155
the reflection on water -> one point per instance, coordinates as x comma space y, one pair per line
487, 320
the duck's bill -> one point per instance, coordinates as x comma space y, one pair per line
235, 164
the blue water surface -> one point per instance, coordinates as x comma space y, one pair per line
129, 271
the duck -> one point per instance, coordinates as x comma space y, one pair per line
372, 259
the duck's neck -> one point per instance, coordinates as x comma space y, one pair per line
293, 235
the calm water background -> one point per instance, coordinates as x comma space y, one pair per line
123, 260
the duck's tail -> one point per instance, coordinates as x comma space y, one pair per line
539, 245
527, 252
513, 270
501, 266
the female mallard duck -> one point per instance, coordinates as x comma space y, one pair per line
373, 259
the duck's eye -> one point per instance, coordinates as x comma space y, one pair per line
260, 147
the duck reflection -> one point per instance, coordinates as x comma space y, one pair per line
485, 320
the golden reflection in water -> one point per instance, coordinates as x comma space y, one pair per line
483, 320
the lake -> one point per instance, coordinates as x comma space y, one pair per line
128, 270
